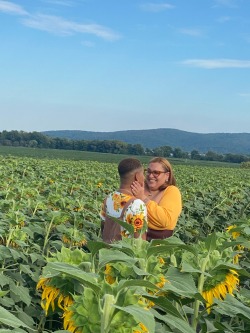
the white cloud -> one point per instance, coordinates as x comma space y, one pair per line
191, 32
60, 26
156, 7
11, 8
217, 63
57, 25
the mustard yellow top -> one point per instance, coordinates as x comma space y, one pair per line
165, 214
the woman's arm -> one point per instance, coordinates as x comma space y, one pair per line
165, 214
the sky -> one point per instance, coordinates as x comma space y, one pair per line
114, 65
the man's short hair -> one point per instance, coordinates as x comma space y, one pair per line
128, 165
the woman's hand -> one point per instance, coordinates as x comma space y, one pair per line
137, 190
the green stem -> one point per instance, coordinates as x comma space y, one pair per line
107, 312
47, 234
7, 193
36, 207
173, 260
8, 240
200, 290
216, 206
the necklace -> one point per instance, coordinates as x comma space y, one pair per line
154, 194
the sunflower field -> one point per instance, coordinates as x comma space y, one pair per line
56, 274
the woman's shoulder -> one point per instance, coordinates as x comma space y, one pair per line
171, 189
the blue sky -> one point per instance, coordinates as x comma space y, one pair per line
111, 65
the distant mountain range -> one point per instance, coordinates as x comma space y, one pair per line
223, 143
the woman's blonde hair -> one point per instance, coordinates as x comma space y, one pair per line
168, 168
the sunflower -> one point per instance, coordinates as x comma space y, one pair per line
162, 282
136, 221
219, 291
124, 233
237, 256
50, 294
148, 304
143, 329
120, 200
68, 322
117, 202
235, 234
67, 240
108, 277
161, 260
64, 301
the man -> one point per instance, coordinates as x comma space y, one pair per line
122, 205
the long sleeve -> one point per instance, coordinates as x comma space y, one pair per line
165, 214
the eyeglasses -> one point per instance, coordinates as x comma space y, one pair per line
155, 173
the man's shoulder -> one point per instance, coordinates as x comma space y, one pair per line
138, 201
135, 202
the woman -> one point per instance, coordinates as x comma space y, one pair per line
162, 197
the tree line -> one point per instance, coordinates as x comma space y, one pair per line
39, 140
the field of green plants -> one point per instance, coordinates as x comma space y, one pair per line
57, 275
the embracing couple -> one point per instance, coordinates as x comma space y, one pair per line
148, 199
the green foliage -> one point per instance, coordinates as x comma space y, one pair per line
131, 144
245, 165
39, 140
153, 138
49, 224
